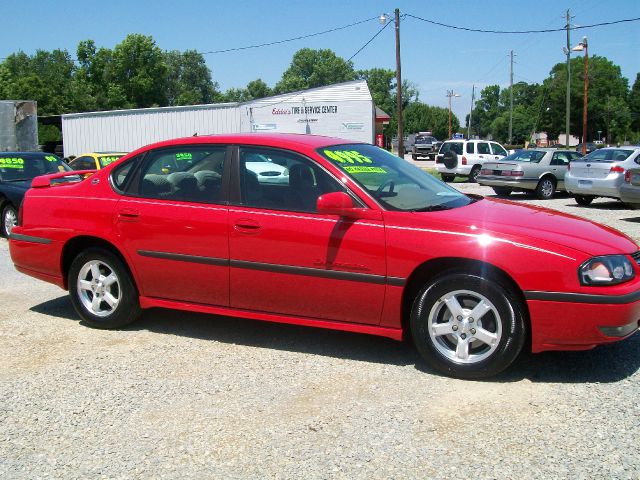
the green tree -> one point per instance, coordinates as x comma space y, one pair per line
139, 70
634, 105
188, 79
382, 84
314, 68
420, 117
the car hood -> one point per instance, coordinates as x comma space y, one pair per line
502, 218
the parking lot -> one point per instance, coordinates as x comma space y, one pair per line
196, 396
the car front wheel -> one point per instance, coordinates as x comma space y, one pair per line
9, 219
447, 177
467, 326
101, 289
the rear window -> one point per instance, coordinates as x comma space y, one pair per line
15, 167
533, 156
608, 155
452, 147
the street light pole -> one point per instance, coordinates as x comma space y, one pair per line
584, 46
568, 52
399, 88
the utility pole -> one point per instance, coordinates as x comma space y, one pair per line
399, 88
568, 51
449, 95
473, 98
511, 100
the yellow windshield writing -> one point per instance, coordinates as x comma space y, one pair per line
363, 169
108, 160
184, 156
347, 156
51, 158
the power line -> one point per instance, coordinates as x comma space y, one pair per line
546, 30
370, 40
277, 42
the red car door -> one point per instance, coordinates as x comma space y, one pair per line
173, 225
287, 259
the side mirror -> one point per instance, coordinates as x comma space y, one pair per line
341, 204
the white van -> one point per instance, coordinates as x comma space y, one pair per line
465, 158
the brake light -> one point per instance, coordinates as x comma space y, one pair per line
617, 169
516, 173
485, 171
627, 176
464, 160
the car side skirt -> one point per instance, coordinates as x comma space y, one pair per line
393, 333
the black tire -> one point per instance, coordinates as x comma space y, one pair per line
448, 178
450, 159
9, 219
583, 200
473, 175
546, 188
105, 316
503, 191
502, 325
414, 157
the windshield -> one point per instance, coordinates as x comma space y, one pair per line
15, 167
533, 156
104, 161
394, 183
608, 155
452, 147
423, 140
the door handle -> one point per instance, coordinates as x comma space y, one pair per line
247, 226
128, 215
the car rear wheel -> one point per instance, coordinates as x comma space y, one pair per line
448, 178
583, 200
9, 219
467, 326
502, 191
546, 188
473, 175
101, 289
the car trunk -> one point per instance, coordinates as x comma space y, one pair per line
498, 168
591, 169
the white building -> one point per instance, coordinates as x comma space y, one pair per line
343, 110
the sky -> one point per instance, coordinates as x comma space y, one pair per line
434, 58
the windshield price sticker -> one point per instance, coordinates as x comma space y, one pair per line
12, 162
51, 158
184, 156
108, 160
347, 156
363, 169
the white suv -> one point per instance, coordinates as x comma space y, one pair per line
466, 157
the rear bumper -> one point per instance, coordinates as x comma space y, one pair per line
598, 187
630, 193
37, 257
514, 182
459, 170
562, 325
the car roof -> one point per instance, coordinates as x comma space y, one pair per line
102, 154
291, 140
27, 153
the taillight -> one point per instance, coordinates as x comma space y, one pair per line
516, 173
485, 171
20, 214
617, 169
627, 176
464, 160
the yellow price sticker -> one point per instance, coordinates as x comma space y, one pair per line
347, 156
363, 169
51, 158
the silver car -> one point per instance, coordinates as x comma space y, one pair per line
600, 174
538, 170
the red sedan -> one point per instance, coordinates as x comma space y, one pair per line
350, 238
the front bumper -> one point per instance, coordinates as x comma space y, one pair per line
563, 325
508, 182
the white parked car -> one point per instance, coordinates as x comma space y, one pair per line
466, 157
266, 170
600, 174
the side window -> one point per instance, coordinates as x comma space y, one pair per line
471, 147
189, 174
121, 175
83, 163
483, 148
498, 150
574, 156
281, 180
560, 158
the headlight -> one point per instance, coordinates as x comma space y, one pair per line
606, 270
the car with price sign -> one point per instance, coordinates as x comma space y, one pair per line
95, 160
17, 169
356, 239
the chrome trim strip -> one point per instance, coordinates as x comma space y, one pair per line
221, 262
29, 238
583, 297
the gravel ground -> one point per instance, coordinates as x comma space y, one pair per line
181, 395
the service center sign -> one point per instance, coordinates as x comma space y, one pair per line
348, 119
